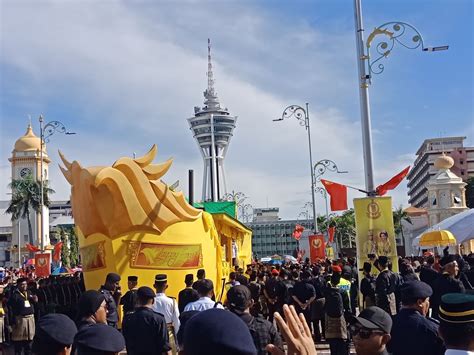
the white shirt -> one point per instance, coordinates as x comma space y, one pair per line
169, 308
202, 304
458, 352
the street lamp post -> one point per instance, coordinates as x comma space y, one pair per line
396, 32
302, 115
45, 132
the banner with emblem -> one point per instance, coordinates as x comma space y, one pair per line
375, 234
316, 247
43, 264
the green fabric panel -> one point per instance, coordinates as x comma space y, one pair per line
227, 207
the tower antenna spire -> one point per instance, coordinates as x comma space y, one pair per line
210, 75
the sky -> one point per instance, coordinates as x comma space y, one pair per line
124, 75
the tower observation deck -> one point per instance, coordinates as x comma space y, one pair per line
212, 127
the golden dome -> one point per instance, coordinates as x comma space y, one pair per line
444, 162
29, 142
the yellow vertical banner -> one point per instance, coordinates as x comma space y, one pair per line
375, 234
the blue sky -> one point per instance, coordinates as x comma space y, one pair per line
126, 75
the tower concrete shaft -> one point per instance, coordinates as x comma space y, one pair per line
212, 127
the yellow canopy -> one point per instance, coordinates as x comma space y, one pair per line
437, 238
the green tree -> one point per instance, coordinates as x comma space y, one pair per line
26, 194
399, 215
65, 253
470, 192
345, 228
73, 247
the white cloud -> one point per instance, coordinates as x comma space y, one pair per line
125, 77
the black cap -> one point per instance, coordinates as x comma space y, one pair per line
99, 337
414, 290
208, 333
20, 280
90, 302
383, 260
112, 277
133, 278
457, 308
55, 328
146, 292
367, 267
375, 318
188, 278
446, 260
161, 278
239, 297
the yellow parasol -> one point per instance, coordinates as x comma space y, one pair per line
439, 238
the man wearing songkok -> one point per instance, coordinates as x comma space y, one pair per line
144, 330
456, 316
130, 298
168, 307
412, 332
446, 282
54, 335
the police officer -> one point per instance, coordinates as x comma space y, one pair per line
144, 330
412, 332
129, 300
168, 307
111, 292
98, 339
385, 288
54, 334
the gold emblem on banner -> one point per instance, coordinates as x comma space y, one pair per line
373, 210
317, 243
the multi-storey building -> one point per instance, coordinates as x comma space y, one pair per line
423, 167
270, 235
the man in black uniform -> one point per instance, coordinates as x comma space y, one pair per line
145, 331
129, 300
384, 287
23, 321
446, 283
270, 293
200, 275
413, 333
367, 286
427, 273
187, 295
239, 301
111, 292
303, 295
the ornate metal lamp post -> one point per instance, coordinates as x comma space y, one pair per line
302, 115
46, 131
396, 33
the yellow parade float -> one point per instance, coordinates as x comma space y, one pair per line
132, 223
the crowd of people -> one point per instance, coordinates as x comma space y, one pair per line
427, 307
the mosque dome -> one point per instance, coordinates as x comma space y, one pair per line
444, 162
28, 142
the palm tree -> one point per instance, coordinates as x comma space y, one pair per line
26, 198
399, 215
345, 228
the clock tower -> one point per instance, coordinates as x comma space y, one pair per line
26, 160
446, 192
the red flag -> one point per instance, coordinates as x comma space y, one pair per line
43, 264
392, 183
57, 251
338, 195
331, 231
298, 231
32, 248
316, 247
